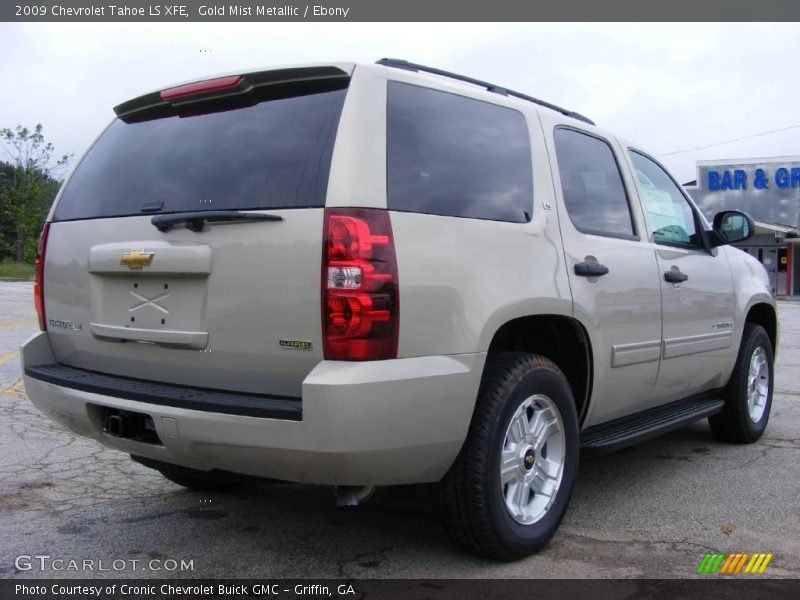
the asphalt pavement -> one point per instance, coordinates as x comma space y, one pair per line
649, 511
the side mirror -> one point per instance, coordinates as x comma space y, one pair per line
732, 226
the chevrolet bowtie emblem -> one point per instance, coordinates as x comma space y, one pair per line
137, 259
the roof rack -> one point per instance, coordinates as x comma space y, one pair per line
409, 66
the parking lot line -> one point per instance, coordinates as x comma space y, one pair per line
4, 358
16, 323
15, 390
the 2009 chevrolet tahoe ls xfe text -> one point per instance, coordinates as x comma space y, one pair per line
366, 275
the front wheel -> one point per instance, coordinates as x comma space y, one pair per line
508, 490
748, 395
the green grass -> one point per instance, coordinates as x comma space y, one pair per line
9, 268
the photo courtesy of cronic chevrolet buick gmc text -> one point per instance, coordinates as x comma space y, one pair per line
369, 275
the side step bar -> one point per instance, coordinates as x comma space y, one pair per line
650, 423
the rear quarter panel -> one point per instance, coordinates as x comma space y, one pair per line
461, 279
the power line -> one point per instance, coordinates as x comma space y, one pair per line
747, 137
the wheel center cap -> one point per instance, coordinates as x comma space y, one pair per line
528, 459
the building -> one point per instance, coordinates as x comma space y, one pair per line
768, 189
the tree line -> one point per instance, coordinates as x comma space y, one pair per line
29, 181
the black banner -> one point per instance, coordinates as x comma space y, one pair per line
741, 588
407, 10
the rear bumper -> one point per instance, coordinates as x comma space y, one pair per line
363, 423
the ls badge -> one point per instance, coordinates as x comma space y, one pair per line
137, 259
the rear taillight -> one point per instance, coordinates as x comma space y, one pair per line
360, 293
38, 281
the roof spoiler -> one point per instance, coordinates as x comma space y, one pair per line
245, 87
409, 66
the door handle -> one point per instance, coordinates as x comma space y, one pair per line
590, 269
675, 276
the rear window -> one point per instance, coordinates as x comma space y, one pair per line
455, 156
274, 154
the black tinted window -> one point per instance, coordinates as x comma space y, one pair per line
275, 154
592, 185
450, 155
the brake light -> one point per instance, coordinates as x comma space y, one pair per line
201, 87
360, 293
38, 280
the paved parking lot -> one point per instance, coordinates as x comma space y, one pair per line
649, 511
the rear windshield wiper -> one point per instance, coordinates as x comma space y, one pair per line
195, 220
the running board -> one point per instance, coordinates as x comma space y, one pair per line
650, 423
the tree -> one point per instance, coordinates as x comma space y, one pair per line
28, 185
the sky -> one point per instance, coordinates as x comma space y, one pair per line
669, 87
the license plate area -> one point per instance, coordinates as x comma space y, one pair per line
157, 303
159, 299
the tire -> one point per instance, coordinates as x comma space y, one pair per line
481, 511
747, 403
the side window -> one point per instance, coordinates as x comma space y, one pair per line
455, 156
667, 211
592, 185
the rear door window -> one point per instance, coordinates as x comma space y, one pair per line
456, 156
274, 154
591, 184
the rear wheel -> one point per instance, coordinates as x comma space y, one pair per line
748, 395
508, 490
